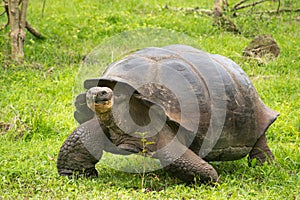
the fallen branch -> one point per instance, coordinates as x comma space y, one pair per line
235, 7
249, 5
33, 31
273, 12
239, 3
279, 11
190, 10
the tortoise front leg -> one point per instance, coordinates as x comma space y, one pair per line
81, 151
181, 161
261, 151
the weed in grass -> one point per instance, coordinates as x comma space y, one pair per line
145, 153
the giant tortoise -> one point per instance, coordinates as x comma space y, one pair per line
193, 107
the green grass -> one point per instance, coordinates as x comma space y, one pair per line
37, 99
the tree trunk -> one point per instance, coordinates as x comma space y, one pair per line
218, 8
17, 19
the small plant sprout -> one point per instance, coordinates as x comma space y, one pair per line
145, 154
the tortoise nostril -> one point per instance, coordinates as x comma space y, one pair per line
101, 96
102, 93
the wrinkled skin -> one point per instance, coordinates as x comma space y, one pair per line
104, 126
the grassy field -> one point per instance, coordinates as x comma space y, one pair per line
36, 98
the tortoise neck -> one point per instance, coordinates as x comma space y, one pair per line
108, 120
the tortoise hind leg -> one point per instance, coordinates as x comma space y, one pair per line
261, 151
189, 166
180, 161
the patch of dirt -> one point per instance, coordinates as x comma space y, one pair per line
5, 127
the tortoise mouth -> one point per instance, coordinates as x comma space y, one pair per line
103, 103
103, 106
102, 100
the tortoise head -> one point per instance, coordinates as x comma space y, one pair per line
100, 99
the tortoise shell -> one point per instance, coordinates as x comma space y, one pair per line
209, 96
